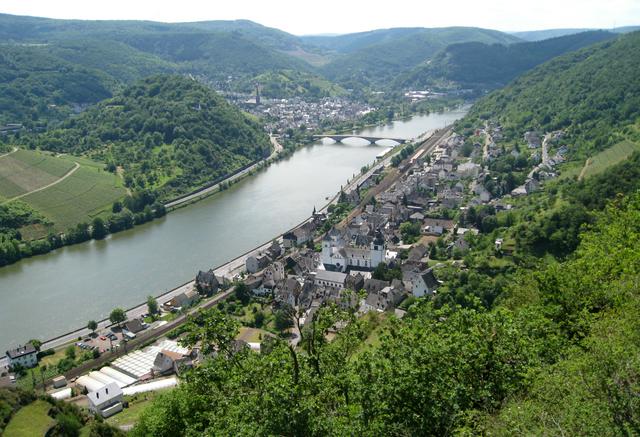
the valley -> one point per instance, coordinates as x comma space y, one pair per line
217, 227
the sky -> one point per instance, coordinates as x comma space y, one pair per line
302, 17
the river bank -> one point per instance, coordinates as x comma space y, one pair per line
83, 282
229, 269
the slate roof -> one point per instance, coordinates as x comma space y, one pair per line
374, 285
21, 351
429, 279
325, 275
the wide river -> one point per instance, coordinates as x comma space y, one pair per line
46, 296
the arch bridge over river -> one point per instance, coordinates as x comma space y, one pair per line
372, 140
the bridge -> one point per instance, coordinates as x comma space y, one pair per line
372, 140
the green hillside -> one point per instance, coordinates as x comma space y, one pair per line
166, 132
120, 61
50, 68
486, 66
292, 83
378, 63
593, 94
36, 86
352, 42
234, 46
539, 35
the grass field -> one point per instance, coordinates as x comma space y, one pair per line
608, 157
598, 163
80, 189
137, 404
87, 193
30, 421
252, 335
26, 170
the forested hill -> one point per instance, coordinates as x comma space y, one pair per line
168, 133
378, 63
593, 94
482, 66
35, 85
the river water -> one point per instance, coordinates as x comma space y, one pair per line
46, 296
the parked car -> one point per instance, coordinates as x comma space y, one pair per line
103, 338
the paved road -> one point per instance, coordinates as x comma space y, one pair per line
545, 149
487, 141
277, 148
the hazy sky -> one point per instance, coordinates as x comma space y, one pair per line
344, 16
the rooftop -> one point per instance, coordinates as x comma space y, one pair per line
325, 275
21, 351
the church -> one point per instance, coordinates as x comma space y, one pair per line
359, 252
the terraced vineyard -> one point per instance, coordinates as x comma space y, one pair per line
67, 190
23, 171
82, 196
601, 161
608, 157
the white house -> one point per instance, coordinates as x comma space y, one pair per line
424, 283
106, 401
25, 356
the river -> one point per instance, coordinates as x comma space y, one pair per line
45, 296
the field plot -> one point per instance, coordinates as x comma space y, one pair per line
608, 157
31, 420
24, 171
82, 196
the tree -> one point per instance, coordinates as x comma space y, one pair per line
258, 319
152, 305
117, 207
92, 325
213, 330
409, 232
117, 316
35, 343
70, 352
43, 369
284, 318
242, 293
98, 229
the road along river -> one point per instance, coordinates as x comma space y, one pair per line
46, 296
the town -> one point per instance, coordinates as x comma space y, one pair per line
375, 249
